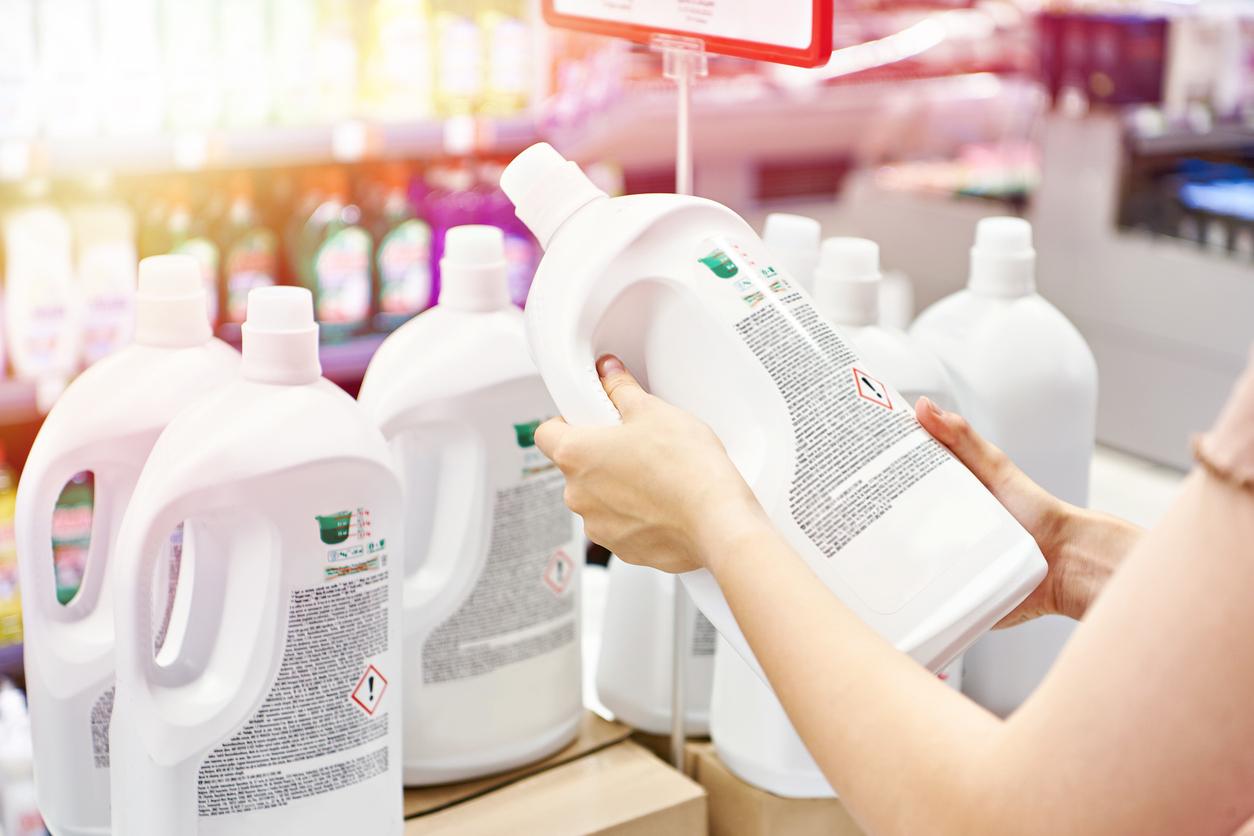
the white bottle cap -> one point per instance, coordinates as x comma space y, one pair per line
171, 306
280, 336
472, 270
847, 281
1003, 262
794, 241
546, 189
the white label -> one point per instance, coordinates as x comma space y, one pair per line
323, 726
858, 446
522, 605
787, 23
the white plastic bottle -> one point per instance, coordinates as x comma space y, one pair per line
1026, 380
273, 706
106, 422
42, 310
492, 563
793, 241
634, 665
682, 289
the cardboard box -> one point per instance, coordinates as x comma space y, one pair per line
740, 809
660, 744
621, 790
594, 735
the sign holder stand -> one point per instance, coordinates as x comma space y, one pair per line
683, 60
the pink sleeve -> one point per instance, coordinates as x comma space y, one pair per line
1228, 449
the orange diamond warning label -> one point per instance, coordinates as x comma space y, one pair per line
870, 389
369, 690
559, 572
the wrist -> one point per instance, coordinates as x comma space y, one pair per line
722, 536
1091, 546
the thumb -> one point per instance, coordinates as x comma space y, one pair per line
625, 393
982, 457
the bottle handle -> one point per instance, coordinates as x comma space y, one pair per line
154, 697
452, 532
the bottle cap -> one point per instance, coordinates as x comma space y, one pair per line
847, 281
794, 241
473, 270
171, 305
280, 336
546, 189
1003, 262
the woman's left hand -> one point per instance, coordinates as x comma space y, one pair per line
658, 489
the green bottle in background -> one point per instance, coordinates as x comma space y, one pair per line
402, 262
333, 258
250, 251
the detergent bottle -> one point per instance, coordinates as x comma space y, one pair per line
684, 292
273, 705
106, 423
751, 733
492, 566
1027, 381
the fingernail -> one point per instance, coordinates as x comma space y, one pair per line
931, 406
609, 364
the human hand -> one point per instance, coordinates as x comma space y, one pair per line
1081, 547
658, 489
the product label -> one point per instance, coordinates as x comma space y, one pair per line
855, 453
523, 604
704, 636
323, 726
405, 269
101, 716
342, 273
252, 262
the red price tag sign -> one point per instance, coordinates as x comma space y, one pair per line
797, 32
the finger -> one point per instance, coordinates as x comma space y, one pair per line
549, 434
981, 457
624, 391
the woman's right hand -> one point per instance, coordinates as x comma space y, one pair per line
1082, 547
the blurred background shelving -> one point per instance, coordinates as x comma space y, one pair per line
330, 143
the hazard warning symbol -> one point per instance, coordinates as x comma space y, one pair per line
870, 389
559, 572
369, 690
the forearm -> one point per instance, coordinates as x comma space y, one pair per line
908, 754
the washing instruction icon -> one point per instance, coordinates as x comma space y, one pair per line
369, 690
871, 389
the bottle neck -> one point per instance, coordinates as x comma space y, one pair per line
280, 357
178, 322
1001, 275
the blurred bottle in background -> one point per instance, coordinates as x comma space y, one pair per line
131, 67
250, 250
71, 533
105, 261
333, 259
403, 281
18, 810
506, 36
396, 83
458, 45
244, 62
42, 311
190, 35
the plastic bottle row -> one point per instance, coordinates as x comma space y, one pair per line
295, 602
78, 68
369, 250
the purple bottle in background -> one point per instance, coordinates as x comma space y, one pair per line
522, 251
452, 201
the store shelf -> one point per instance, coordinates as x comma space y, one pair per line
260, 147
863, 120
1221, 138
345, 362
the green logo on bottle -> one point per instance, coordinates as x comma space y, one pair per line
334, 528
526, 433
720, 264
